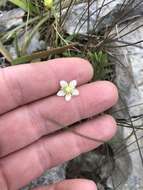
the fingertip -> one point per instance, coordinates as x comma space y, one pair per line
76, 184
73, 184
88, 66
108, 91
91, 185
110, 128
82, 66
112, 90
85, 65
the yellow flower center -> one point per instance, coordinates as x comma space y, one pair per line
68, 89
48, 4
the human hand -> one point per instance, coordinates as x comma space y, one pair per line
31, 114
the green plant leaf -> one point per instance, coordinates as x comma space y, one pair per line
5, 53
34, 30
41, 54
26, 5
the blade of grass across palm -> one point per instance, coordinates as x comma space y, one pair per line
5, 53
41, 54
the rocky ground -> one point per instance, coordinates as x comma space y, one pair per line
126, 167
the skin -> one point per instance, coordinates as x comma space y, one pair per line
31, 116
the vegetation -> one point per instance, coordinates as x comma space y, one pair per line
98, 45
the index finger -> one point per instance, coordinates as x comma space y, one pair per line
26, 83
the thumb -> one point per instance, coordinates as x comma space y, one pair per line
76, 184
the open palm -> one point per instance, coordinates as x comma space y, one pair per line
31, 118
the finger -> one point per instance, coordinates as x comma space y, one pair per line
25, 83
29, 123
76, 184
23, 166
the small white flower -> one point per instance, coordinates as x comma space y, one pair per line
68, 89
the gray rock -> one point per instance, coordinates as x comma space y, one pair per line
76, 21
34, 45
51, 176
96, 165
9, 19
132, 57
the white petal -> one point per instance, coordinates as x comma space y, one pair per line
75, 92
68, 97
61, 93
63, 83
73, 83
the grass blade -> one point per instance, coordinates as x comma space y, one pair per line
42, 54
25, 5
5, 53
